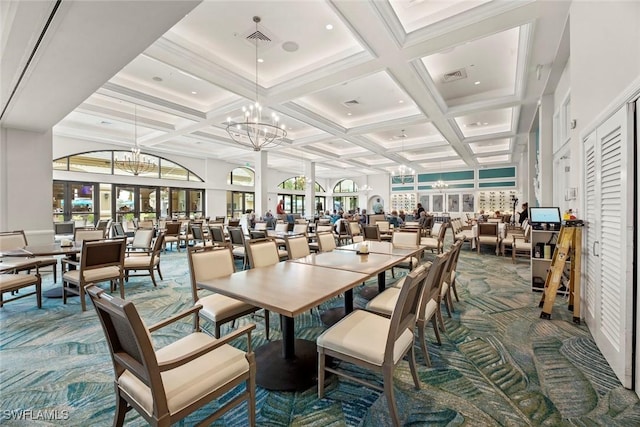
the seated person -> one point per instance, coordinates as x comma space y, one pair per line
335, 217
363, 217
423, 221
394, 219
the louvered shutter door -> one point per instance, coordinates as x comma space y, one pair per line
592, 263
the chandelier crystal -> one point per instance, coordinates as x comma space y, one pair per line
440, 185
135, 163
254, 131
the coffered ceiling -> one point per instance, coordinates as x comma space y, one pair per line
360, 85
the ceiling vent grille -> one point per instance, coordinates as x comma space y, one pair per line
350, 103
258, 35
454, 75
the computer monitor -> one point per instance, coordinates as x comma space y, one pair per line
545, 215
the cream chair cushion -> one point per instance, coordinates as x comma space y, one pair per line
386, 301
92, 276
263, 254
14, 281
216, 307
142, 261
189, 382
363, 335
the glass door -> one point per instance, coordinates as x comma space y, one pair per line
82, 204
124, 203
148, 201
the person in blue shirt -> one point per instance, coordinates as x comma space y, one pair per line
335, 216
394, 219
363, 217
377, 207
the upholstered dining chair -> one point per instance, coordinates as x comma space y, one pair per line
355, 232
262, 253
18, 278
436, 240
209, 263
297, 246
375, 342
141, 261
117, 230
172, 234
82, 234
100, 261
142, 240
488, 235
371, 232
385, 230
166, 385
236, 236
326, 241
12, 240
301, 228
199, 239
408, 239
521, 244
449, 278
217, 235
385, 302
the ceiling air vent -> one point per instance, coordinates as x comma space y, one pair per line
454, 75
350, 103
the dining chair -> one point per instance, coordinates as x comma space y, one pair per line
117, 230
172, 234
63, 228
297, 246
199, 239
262, 253
168, 384
282, 227
142, 240
436, 240
82, 234
236, 236
209, 263
186, 234
407, 238
355, 232
428, 310
260, 226
100, 261
375, 342
301, 228
217, 235
385, 230
12, 240
17, 279
449, 279
149, 261
521, 244
371, 232
488, 235
326, 241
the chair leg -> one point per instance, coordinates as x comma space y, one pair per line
217, 330
251, 390
121, 285
266, 324
55, 273
412, 366
121, 411
423, 342
439, 316
321, 364
39, 292
83, 304
159, 272
388, 392
64, 292
436, 330
455, 291
446, 302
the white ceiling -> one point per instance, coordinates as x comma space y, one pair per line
431, 85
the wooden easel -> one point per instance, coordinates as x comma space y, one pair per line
569, 244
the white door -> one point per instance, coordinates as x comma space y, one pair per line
609, 270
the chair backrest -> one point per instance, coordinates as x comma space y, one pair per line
260, 226
442, 231
102, 224
236, 235
371, 232
207, 263
142, 239
147, 223
66, 227
118, 229
10, 240
282, 227
196, 230
217, 234
405, 313
297, 246
301, 228
80, 235
488, 229
233, 222
324, 228
354, 229
494, 220
383, 226
258, 234
262, 253
406, 238
158, 245
433, 283
453, 261
129, 343
102, 253
326, 241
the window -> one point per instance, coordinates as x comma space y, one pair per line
241, 176
102, 162
318, 188
238, 202
345, 186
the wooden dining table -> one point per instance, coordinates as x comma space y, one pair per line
50, 249
289, 289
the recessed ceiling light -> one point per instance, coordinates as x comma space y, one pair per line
193, 92
401, 102
329, 27
260, 60
349, 114
485, 123
156, 78
477, 83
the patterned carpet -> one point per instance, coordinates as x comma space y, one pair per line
499, 363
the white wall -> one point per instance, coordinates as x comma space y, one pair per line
25, 203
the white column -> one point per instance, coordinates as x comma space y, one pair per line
26, 176
310, 189
261, 201
546, 150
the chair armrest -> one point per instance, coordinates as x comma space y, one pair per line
193, 310
519, 237
70, 262
130, 251
186, 358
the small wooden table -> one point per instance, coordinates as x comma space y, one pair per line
51, 249
287, 288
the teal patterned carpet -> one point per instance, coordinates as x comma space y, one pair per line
499, 364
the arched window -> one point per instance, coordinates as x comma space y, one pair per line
241, 176
319, 188
345, 186
106, 162
298, 183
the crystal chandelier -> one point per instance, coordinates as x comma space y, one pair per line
366, 189
254, 131
440, 185
135, 163
404, 174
